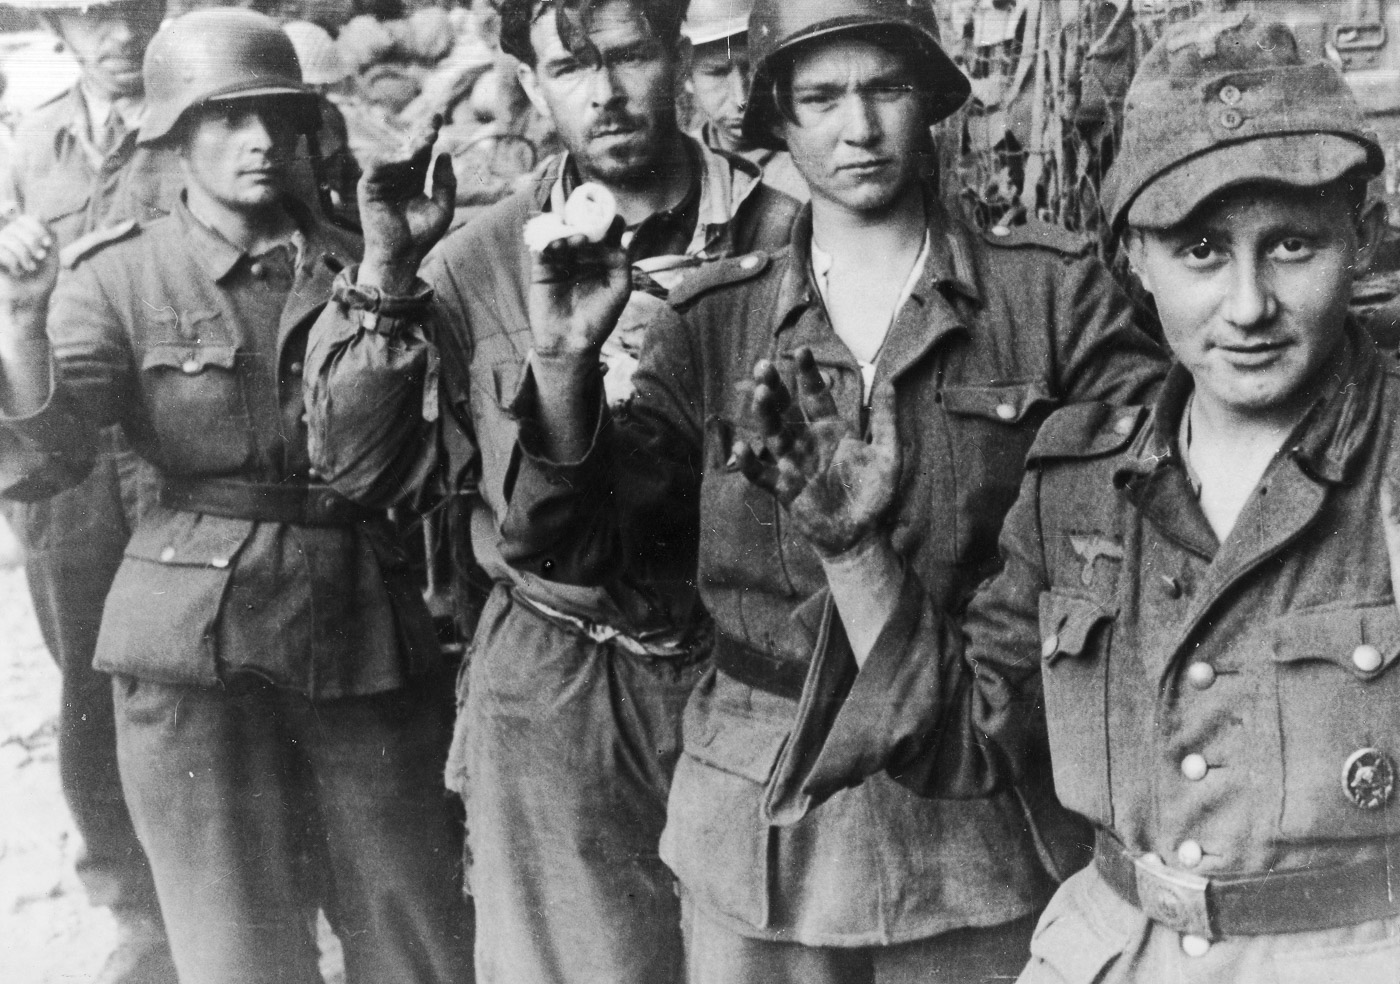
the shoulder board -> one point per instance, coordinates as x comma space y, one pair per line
721, 273
1086, 430
85, 246
1039, 235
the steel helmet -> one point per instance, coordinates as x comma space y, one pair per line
707, 21
61, 6
214, 54
779, 26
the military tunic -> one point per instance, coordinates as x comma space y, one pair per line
997, 332
1218, 710
568, 727
279, 737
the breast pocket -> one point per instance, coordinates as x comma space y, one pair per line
990, 429
1339, 721
195, 407
1076, 635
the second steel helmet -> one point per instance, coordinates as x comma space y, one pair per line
216, 54
707, 21
777, 27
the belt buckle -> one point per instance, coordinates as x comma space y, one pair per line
1176, 899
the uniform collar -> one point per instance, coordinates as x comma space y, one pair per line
218, 256
949, 268
1325, 444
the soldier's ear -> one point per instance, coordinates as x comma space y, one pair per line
1370, 229
530, 82
1135, 245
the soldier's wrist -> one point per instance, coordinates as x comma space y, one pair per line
391, 275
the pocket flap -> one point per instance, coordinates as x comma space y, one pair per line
1336, 635
1067, 622
741, 745
183, 539
1009, 404
189, 359
1073, 948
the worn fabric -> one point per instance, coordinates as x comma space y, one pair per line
258, 805
1147, 641
73, 541
571, 859
962, 956
207, 383
779, 172
997, 332
602, 670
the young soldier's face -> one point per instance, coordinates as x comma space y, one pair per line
859, 131
1252, 290
237, 152
616, 115
719, 81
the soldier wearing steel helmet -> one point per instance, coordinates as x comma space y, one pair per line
1199, 593
75, 168
718, 84
870, 390
275, 673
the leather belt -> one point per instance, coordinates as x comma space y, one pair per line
299, 505
1297, 901
759, 669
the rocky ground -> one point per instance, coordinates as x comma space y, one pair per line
48, 932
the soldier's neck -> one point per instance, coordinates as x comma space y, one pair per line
653, 189
877, 239
253, 230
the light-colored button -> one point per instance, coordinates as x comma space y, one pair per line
295, 368
306, 418
1189, 854
1000, 231
1123, 426
748, 263
167, 555
1367, 659
190, 366
1153, 859
1005, 411
1229, 95
1171, 587
1195, 946
1050, 646
1194, 767
257, 269
219, 562
1231, 119
1200, 675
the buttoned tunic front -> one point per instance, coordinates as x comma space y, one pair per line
197, 353
1228, 707
997, 331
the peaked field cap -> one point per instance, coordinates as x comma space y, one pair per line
1222, 101
707, 21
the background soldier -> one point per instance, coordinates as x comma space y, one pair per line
571, 721
963, 343
75, 168
718, 86
1203, 593
279, 734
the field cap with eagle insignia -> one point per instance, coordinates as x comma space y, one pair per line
1222, 101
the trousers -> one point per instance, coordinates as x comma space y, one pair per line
73, 544
257, 806
567, 747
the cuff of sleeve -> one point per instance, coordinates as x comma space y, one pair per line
374, 304
524, 407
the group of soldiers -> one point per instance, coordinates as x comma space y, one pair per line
872, 598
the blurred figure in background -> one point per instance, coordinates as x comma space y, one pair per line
74, 169
718, 87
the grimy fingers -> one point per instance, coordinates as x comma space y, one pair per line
884, 423
770, 402
814, 396
761, 473
444, 193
